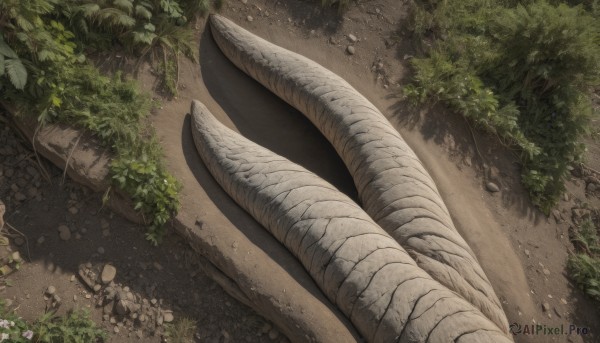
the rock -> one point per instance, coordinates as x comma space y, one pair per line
20, 196
563, 300
74, 297
492, 187
101, 250
591, 187
249, 18
352, 38
16, 256
332, 40
73, 210
527, 252
546, 271
108, 274
545, 307
50, 290
97, 288
105, 232
168, 316
557, 216
64, 232
351, 50
273, 334
121, 307
116, 329
244, 1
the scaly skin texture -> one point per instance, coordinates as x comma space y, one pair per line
359, 267
393, 186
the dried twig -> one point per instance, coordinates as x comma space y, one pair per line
62, 182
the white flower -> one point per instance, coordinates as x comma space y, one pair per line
12, 323
28, 334
4, 324
3, 337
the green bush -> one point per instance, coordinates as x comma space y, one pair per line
523, 72
44, 71
584, 265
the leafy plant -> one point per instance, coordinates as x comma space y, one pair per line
585, 270
59, 85
182, 331
521, 71
153, 191
75, 327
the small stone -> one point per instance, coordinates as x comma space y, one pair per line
116, 329
352, 38
72, 278
121, 307
88, 296
64, 232
527, 252
73, 210
159, 320
142, 318
108, 273
492, 187
591, 187
139, 334
550, 296
153, 301
249, 18
16, 256
168, 316
351, 50
83, 231
74, 297
244, 1
50, 290
101, 250
105, 232
546, 271
97, 287
273, 334
20, 196
563, 300
19, 241
545, 307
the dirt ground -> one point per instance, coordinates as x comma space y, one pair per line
522, 251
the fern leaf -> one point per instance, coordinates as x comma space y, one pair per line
17, 73
125, 5
89, 10
6, 50
143, 12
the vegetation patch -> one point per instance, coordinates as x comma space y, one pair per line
584, 265
44, 71
76, 326
523, 70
